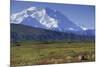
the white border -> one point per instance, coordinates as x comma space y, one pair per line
5, 32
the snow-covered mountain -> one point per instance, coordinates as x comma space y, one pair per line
44, 18
38, 14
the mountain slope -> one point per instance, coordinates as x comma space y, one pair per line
45, 18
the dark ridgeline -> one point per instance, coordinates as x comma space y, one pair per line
21, 32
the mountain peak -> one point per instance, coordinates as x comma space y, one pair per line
46, 18
38, 13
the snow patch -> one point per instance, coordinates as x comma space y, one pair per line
84, 28
71, 29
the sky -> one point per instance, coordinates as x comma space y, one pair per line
82, 15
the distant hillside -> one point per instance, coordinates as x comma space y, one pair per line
22, 32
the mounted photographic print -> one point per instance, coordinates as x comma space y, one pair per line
51, 33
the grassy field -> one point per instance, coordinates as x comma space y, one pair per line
32, 53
